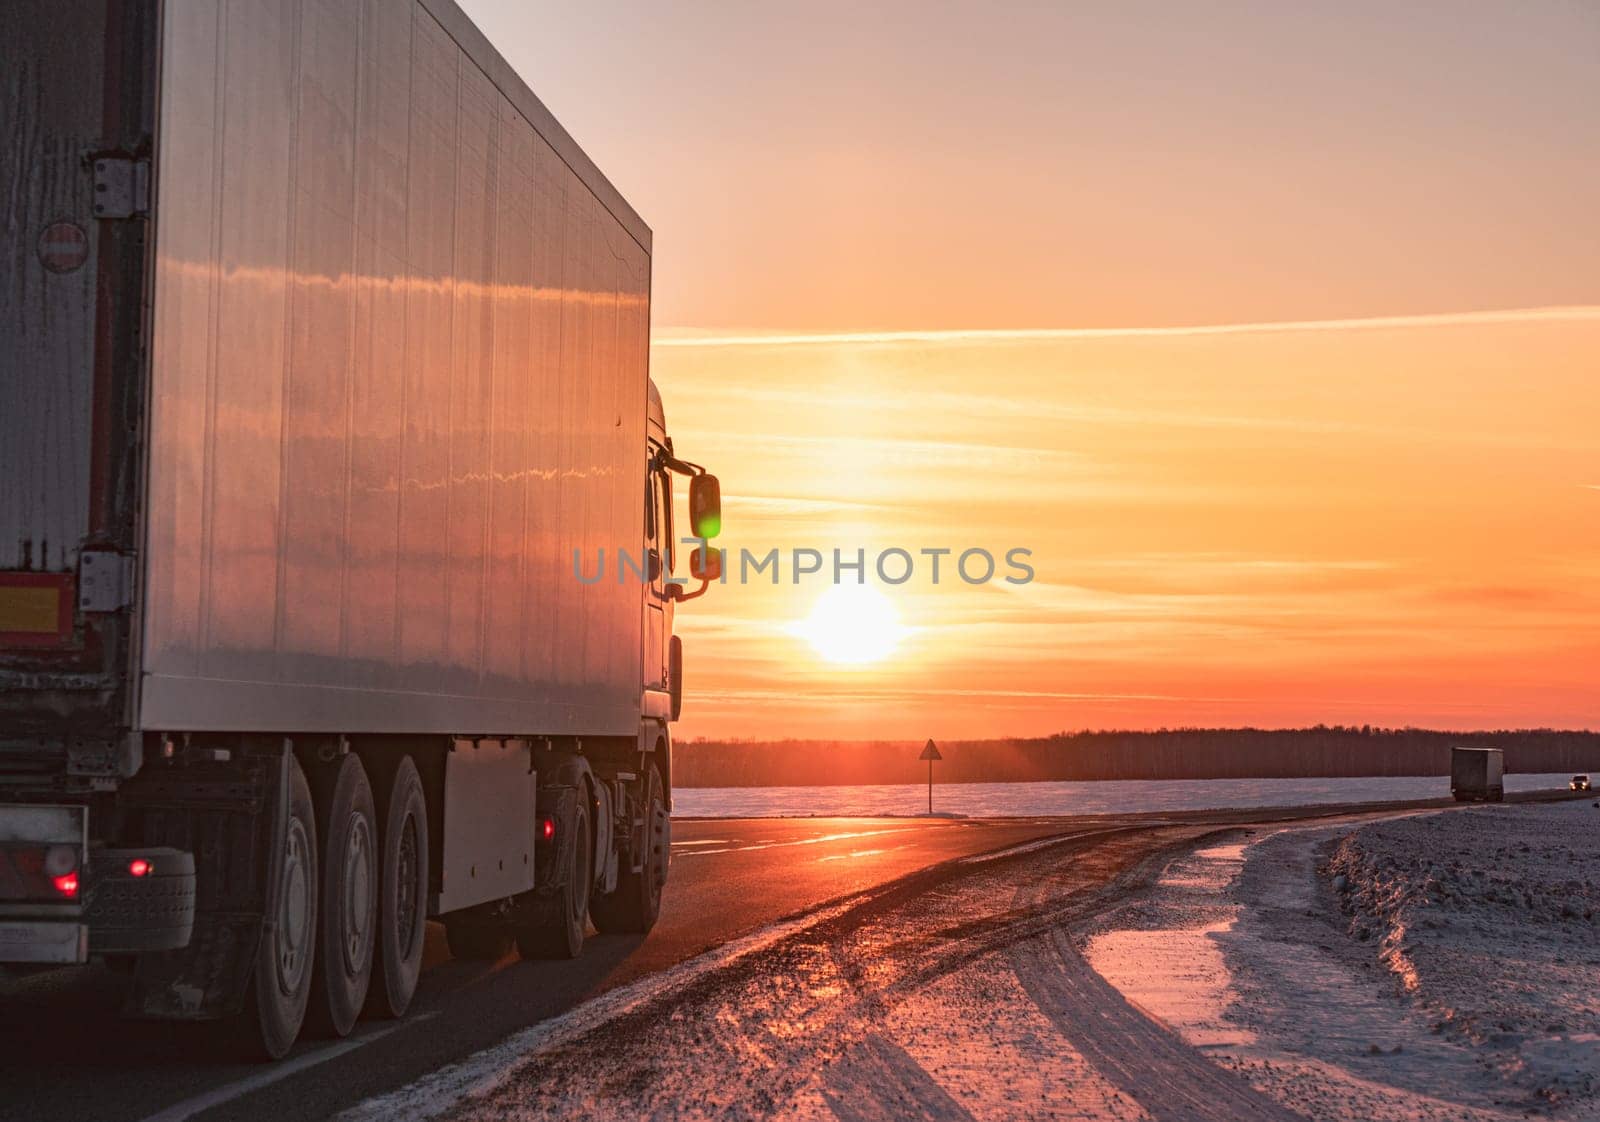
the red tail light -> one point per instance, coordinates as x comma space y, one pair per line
66, 884
139, 867
547, 829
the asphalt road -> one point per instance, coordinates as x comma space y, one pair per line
65, 1054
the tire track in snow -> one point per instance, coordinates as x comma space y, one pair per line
877, 1079
1140, 1056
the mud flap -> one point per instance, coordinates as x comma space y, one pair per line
230, 814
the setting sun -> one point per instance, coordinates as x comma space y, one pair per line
852, 624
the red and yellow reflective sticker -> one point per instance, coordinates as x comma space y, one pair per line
35, 609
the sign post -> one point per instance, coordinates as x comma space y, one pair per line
930, 753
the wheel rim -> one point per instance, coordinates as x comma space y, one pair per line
356, 900
406, 894
293, 934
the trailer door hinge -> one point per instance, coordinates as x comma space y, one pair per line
105, 581
121, 187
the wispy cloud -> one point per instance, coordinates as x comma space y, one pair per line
1213, 561
878, 694
779, 506
926, 402
906, 451
1030, 407
1561, 314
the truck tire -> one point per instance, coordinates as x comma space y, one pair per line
347, 825
557, 924
477, 938
281, 986
635, 905
402, 893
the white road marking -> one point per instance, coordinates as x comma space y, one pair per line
1025, 847
800, 841
863, 853
228, 1092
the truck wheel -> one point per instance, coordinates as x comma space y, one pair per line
281, 985
402, 893
560, 922
476, 938
636, 903
349, 905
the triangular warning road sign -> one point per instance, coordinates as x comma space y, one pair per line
930, 752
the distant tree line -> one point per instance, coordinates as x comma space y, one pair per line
1182, 753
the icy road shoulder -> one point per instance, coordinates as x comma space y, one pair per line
954, 993
1431, 966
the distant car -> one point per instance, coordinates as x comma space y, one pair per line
1579, 783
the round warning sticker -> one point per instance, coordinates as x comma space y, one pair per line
63, 247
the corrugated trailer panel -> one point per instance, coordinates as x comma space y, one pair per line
47, 315
398, 376
378, 356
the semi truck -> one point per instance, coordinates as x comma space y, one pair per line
326, 392
1477, 774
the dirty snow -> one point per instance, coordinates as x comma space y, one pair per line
1435, 965
980, 1049
953, 996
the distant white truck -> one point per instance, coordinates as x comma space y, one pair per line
1477, 775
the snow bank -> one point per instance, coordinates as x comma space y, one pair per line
1426, 967
1489, 920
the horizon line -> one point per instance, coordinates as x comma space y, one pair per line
1558, 313
1154, 730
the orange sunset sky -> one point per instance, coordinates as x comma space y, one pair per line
1272, 330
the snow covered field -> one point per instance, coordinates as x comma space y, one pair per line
1110, 796
1436, 965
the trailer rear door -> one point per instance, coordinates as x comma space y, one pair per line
75, 86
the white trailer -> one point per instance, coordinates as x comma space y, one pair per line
329, 355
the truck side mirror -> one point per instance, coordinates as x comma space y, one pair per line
705, 506
706, 565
